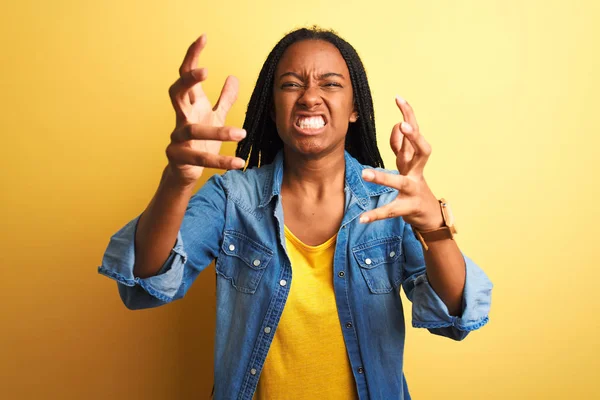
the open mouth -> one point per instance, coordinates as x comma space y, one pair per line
311, 123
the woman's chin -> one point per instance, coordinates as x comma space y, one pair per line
314, 145
309, 146
312, 148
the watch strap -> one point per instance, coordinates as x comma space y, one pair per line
445, 232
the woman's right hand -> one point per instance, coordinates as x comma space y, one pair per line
200, 128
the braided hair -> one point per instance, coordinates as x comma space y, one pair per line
262, 141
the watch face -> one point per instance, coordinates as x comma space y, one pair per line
448, 216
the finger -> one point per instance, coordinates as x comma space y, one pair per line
206, 132
407, 151
228, 96
410, 129
190, 61
396, 208
422, 149
402, 148
398, 182
187, 81
404, 159
179, 91
407, 113
396, 139
183, 155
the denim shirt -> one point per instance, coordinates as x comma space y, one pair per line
237, 219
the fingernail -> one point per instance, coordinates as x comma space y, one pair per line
406, 127
239, 163
364, 219
368, 174
239, 134
400, 99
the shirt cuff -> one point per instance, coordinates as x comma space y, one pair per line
119, 259
429, 311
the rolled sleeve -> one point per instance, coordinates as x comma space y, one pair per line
118, 262
201, 230
429, 311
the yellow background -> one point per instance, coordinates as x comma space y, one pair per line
505, 91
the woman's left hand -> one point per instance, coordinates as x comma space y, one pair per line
415, 203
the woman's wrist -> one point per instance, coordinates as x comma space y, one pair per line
173, 183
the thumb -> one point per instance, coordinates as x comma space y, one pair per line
228, 96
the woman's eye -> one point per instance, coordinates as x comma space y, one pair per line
295, 85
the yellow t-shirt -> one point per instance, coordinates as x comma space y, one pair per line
308, 358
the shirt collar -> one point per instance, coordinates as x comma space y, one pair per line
355, 185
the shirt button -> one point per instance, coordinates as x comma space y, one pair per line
348, 325
361, 370
268, 329
231, 247
341, 274
392, 254
363, 202
253, 371
282, 282
256, 263
368, 261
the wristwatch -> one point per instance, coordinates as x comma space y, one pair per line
445, 232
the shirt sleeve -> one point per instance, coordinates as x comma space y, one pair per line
428, 310
197, 245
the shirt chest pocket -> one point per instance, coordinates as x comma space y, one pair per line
243, 261
380, 263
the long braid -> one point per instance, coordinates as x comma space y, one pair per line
263, 142
355, 141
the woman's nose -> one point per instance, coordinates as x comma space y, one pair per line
311, 97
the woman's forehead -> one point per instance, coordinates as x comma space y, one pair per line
312, 57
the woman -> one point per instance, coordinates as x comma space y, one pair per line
313, 215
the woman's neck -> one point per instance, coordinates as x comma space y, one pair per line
314, 178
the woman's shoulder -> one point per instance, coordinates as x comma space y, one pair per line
247, 183
250, 175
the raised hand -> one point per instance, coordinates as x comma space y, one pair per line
415, 202
200, 128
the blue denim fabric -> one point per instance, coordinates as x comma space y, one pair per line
237, 219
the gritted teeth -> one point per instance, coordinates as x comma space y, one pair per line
311, 122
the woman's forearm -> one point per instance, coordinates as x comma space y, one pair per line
158, 226
446, 272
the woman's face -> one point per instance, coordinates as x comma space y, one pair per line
313, 98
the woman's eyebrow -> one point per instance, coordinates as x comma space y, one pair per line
330, 74
323, 76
